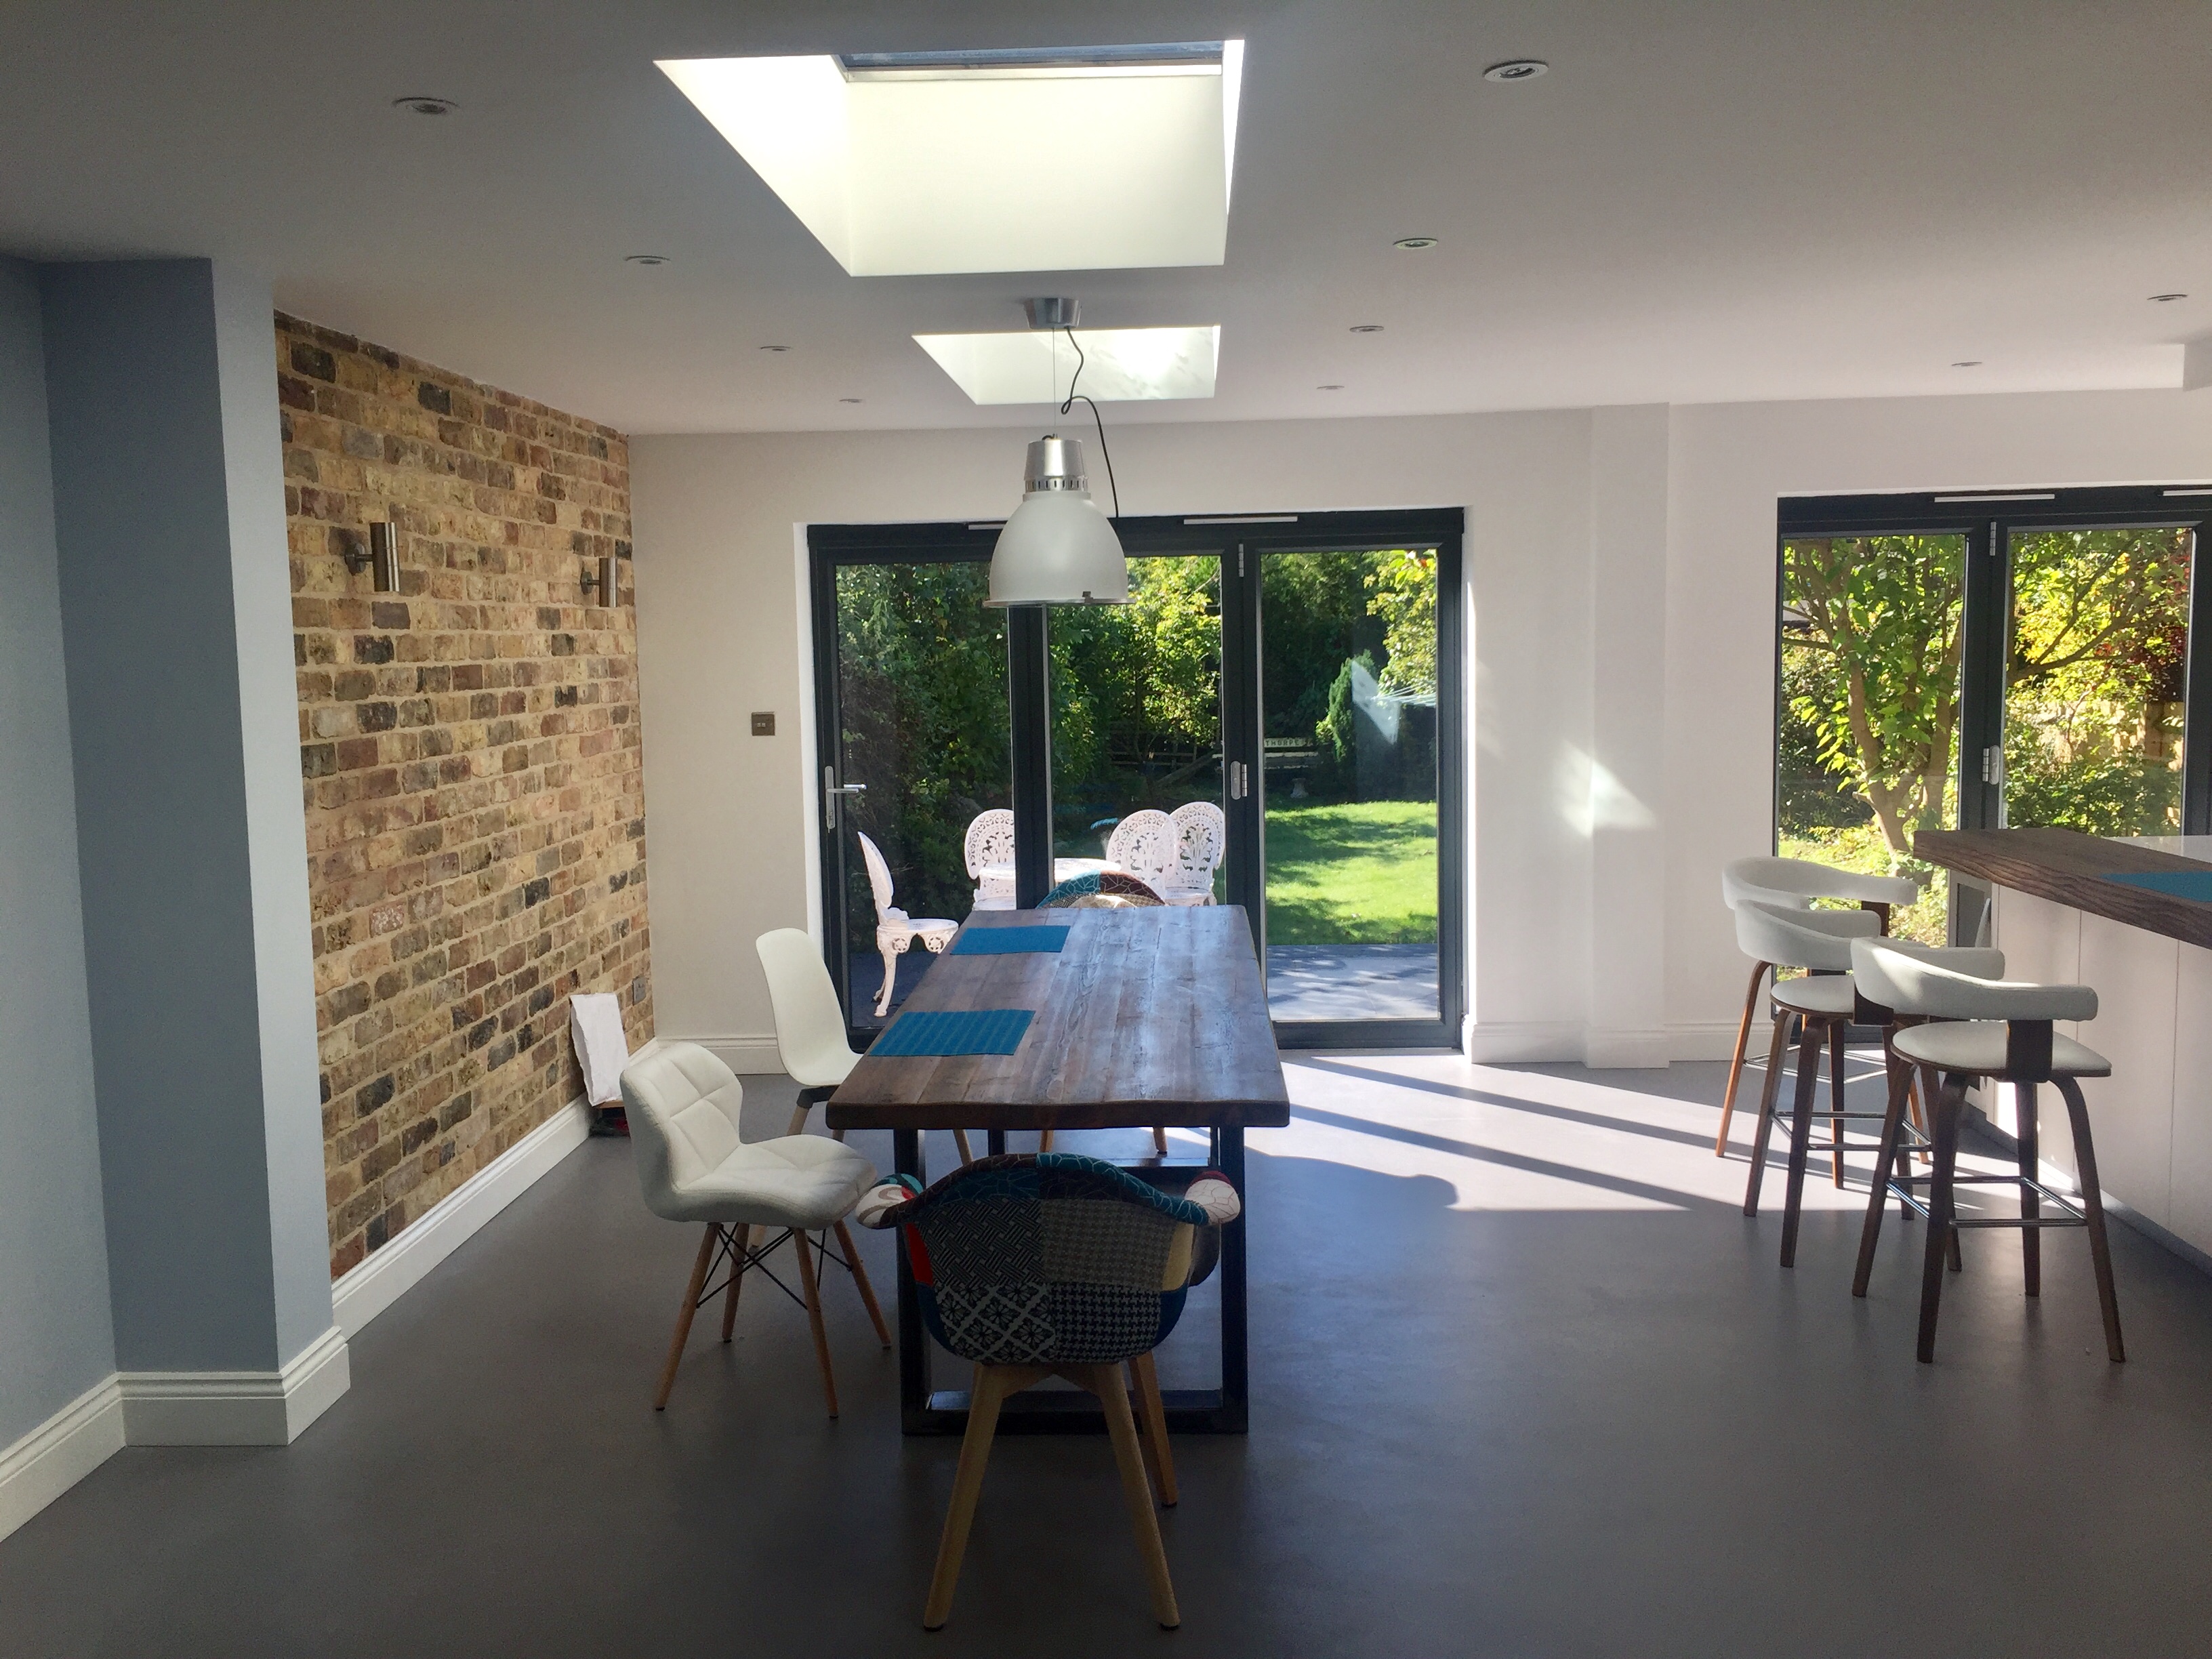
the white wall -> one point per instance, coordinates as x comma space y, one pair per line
1622, 567
720, 631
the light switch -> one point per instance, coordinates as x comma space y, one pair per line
764, 724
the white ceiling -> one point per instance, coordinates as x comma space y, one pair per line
1726, 200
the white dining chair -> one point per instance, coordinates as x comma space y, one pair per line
1793, 884
1201, 839
989, 851
809, 1026
1146, 844
684, 1107
894, 929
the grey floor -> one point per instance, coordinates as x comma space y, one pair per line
1526, 1383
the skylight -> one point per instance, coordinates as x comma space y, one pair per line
1118, 365
920, 163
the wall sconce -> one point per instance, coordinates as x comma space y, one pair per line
383, 556
607, 578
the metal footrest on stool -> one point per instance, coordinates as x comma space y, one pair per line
2072, 1217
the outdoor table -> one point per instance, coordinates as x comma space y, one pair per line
1062, 870
1143, 1017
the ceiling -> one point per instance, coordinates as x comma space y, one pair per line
1730, 200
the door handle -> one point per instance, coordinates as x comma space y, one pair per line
831, 790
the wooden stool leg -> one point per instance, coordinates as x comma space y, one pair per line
2031, 1206
1885, 1163
1045, 1141
684, 1319
741, 1239
1735, 1061
993, 1384
860, 1278
1152, 1418
1947, 1107
1801, 1136
1836, 1100
1105, 1381
966, 1155
806, 1283
1764, 1135
1160, 1138
2092, 1206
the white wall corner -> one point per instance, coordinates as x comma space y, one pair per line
60, 1452
2196, 364
235, 1408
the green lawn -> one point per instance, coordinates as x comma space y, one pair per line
1360, 874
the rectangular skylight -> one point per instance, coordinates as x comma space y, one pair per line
1118, 365
918, 163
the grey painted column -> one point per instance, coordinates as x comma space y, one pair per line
176, 606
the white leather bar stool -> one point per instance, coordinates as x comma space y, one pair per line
2001, 1030
1794, 883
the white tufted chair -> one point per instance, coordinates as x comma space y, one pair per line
894, 929
990, 845
684, 1107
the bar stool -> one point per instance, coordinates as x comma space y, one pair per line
1793, 884
2001, 1030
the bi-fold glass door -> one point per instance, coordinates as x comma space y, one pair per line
1287, 689
2016, 658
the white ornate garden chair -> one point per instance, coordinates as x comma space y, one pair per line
1148, 846
894, 929
1201, 838
990, 847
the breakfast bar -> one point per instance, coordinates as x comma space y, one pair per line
2132, 917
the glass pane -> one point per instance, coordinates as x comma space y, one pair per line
1136, 729
1868, 748
1348, 701
921, 686
2095, 679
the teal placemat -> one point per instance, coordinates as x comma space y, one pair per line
976, 1032
2174, 884
1006, 941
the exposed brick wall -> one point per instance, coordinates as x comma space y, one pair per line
476, 831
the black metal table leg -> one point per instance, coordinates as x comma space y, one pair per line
907, 1158
1236, 1368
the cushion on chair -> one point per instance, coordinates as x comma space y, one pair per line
1054, 1259
1100, 890
1977, 1049
1816, 994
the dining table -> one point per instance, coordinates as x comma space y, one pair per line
1143, 1016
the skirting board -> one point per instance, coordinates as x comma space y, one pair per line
60, 1452
1706, 1039
1623, 1049
360, 1293
235, 1408
748, 1056
1504, 1041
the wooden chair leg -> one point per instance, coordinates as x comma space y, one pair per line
1947, 1107
1931, 1086
684, 1318
1764, 1132
860, 1278
1105, 1381
1152, 1418
967, 1154
1801, 1136
1885, 1163
813, 1293
2031, 1206
1836, 1099
1045, 1141
1160, 1138
993, 1384
741, 1240
1735, 1062
2093, 1207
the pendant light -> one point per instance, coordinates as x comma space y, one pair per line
1057, 547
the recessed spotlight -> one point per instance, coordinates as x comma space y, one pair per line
645, 258
422, 105
1967, 362
1414, 244
1516, 68
1331, 386
776, 348
848, 400
2166, 299
1367, 328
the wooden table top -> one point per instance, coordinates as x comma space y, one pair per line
2068, 867
1145, 1017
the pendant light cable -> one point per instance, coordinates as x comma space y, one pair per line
1072, 394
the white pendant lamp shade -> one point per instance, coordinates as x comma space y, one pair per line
1057, 547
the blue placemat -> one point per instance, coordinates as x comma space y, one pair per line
1006, 941
2174, 884
977, 1031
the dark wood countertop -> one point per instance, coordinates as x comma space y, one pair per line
2068, 867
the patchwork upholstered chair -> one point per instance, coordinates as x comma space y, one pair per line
1056, 1265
